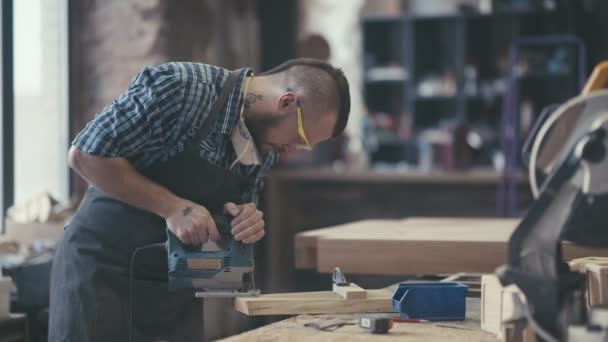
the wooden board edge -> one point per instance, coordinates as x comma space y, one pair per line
352, 291
378, 301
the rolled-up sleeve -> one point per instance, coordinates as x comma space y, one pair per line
138, 121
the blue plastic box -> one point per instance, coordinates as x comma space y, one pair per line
431, 301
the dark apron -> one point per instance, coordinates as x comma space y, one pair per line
89, 298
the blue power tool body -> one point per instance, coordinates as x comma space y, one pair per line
219, 269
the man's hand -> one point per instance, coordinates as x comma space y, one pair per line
192, 223
248, 223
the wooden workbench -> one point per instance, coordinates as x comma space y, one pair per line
414, 246
293, 330
298, 200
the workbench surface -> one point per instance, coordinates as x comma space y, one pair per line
293, 330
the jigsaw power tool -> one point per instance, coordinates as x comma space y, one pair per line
222, 268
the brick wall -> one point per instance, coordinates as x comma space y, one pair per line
112, 40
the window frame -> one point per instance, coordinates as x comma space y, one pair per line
7, 169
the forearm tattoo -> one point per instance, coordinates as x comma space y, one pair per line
251, 98
187, 211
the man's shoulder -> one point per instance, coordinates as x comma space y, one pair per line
191, 73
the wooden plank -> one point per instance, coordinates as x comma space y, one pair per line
415, 246
305, 245
596, 271
597, 284
419, 246
322, 302
350, 291
580, 265
498, 305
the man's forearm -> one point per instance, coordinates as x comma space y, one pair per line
118, 178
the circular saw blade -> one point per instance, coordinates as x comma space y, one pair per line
574, 118
572, 121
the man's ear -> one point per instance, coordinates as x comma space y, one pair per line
286, 100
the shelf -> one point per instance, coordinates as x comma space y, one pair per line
435, 98
546, 77
392, 141
473, 176
437, 49
385, 81
512, 13
494, 98
388, 73
395, 80
454, 16
382, 19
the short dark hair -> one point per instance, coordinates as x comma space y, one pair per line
336, 74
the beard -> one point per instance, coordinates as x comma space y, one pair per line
259, 126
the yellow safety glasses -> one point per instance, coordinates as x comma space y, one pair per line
304, 145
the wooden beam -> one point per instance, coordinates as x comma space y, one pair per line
498, 305
596, 271
416, 246
350, 291
323, 302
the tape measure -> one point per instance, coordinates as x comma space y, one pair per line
376, 325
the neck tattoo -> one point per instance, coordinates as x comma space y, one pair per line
251, 98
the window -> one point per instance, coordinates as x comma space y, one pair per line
6, 107
41, 118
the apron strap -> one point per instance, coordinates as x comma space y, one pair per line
217, 106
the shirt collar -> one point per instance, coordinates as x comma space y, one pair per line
244, 147
242, 141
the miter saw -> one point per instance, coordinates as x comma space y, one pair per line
222, 268
569, 150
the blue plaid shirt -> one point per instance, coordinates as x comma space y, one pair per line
161, 111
